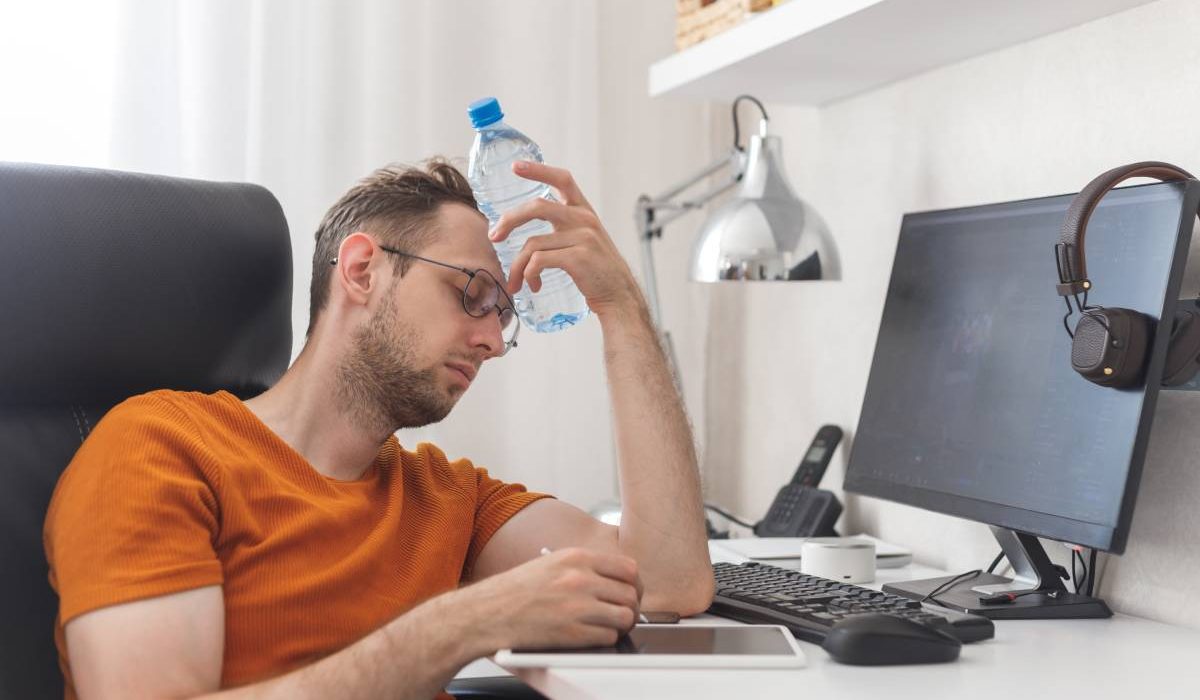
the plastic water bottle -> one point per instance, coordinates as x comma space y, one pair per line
559, 303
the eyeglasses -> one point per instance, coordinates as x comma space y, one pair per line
481, 296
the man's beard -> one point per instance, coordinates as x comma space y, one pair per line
378, 381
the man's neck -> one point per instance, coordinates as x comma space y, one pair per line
305, 410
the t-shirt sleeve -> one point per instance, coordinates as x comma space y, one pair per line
496, 502
134, 515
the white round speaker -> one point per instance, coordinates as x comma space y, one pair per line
844, 559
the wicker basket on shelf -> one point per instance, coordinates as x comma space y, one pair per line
697, 20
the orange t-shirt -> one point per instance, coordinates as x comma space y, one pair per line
179, 490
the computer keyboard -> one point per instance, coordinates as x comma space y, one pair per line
810, 606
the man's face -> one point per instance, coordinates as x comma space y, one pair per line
420, 350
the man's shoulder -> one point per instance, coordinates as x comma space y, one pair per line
172, 404
164, 416
145, 442
428, 461
432, 458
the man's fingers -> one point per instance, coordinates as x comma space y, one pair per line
616, 592
525, 212
543, 260
615, 566
560, 179
617, 617
539, 253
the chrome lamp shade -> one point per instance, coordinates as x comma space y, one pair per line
765, 232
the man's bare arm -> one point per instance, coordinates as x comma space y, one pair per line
662, 521
662, 511
172, 646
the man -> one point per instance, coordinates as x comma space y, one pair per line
288, 546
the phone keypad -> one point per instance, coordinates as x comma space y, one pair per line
785, 506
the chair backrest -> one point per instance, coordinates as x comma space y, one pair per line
113, 284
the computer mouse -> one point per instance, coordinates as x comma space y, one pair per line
876, 639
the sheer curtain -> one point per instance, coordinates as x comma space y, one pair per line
57, 62
304, 97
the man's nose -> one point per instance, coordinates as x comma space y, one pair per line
489, 335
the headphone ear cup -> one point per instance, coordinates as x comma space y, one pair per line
1109, 347
1183, 352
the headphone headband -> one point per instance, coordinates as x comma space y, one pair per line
1072, 264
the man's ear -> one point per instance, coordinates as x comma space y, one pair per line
357, 269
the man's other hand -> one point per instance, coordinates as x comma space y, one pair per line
573, 597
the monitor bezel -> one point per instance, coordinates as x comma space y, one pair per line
1048, 525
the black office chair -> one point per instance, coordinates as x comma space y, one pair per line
113, 284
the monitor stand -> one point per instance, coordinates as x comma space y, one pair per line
1032, 571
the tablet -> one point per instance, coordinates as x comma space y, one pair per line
674, 646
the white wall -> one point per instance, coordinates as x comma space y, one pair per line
1036, 119
647, 146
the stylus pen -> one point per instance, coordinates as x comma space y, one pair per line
641, 617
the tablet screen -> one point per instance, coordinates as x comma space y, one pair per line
727, 641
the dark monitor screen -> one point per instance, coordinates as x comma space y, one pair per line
972, 407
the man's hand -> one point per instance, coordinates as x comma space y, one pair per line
579, 245
574, 597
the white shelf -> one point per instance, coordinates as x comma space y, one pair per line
810, 52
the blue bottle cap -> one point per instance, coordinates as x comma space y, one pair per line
484, 111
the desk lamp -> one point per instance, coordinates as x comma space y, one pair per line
763, 233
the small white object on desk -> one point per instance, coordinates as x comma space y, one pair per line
787, 551
846, 559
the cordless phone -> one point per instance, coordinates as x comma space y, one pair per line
800, 509
816, 459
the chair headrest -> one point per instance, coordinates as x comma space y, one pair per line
116, 283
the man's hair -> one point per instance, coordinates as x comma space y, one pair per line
398, 204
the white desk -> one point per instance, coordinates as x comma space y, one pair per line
1122, 657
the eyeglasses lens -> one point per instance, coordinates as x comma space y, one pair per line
482, 296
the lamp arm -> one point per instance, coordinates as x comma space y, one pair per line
648, 275
694, 203
733, 158
650, 225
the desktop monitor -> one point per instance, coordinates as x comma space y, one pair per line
972, 408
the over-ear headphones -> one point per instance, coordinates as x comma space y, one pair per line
1109, 345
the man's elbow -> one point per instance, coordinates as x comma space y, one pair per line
699, 596
691, 596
